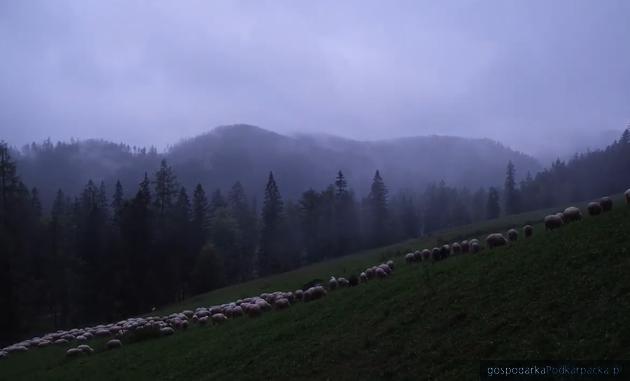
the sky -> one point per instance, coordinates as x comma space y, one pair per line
544, 77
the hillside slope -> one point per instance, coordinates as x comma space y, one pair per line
561, 294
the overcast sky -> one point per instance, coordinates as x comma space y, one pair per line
541, 76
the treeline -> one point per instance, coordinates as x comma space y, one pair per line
108, 253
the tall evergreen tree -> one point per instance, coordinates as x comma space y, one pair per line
509, 190
166, 188
271, 246
117, 201
377, 212
493, 209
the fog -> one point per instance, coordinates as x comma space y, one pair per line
543, 77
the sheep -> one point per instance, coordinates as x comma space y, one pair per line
166, 331
417, 256
606, 203
512, 235
475, 247
3, 355
426, 254
363, 276
85, 349
528, 231
410, 258
343, 282
113, 344
594, 208
43, 343
282, 303
465, 245
553, 221
390, 263
370, 273
218, 318
572, 214
385, 268
627, 196
299, 294
252, 310
435, 254
60, 341
73, 352
263, 304
203, 320
314, 293
445, 251
456, 247
380, 273
495, 240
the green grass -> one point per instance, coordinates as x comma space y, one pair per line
563, 294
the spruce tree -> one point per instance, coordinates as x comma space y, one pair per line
509, 190
270, 248
493, 208
165, 188
377, 212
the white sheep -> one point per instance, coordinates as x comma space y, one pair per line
73, 352
380, 273
390, 263
426, 254
495, 240
363, 277
435, 254
456, 248
475, 247
465, 246
343, 282
166, 331
410, 258
218, 318
85, 349
333, 283
553, 221
512, 234
594, 208
370, 273
572, 214
528, 231
299, 294
606, 203
113, 344
282, 303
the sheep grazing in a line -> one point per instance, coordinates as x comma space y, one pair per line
606, 203
572, 214
299, 294
553, 221
594, 208
528, 231
333, 283
166, 331
512, 235
465, 246
410, 258
380, 273
113, 344
370, 273
445, 251
343, 282
386, 268
495, 240
426, 254
417, 255
627, 196
456, 248
435, 254
475, 247
203, 320
390, 263
363, 276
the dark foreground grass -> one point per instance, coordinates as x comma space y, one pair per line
559, 295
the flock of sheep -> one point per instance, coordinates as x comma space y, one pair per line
279, 300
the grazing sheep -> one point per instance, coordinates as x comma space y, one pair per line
445, 251
426, 254
435, 254
85, 349
166, 331
353, 280
495, 240
343, 282
73, 352
203, 320
299, 294
410, 258
417, 256
512, 235
43, 343
380, 273
553, 221
113, 344
314, 293
572, 214
252, 310
390, 263
456, 248
282, 303
528, 231
465, 247
370, 273
606, 203
385, 268
627, 196
594, 208
475, 247
218, 318
333, 283
363, 276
